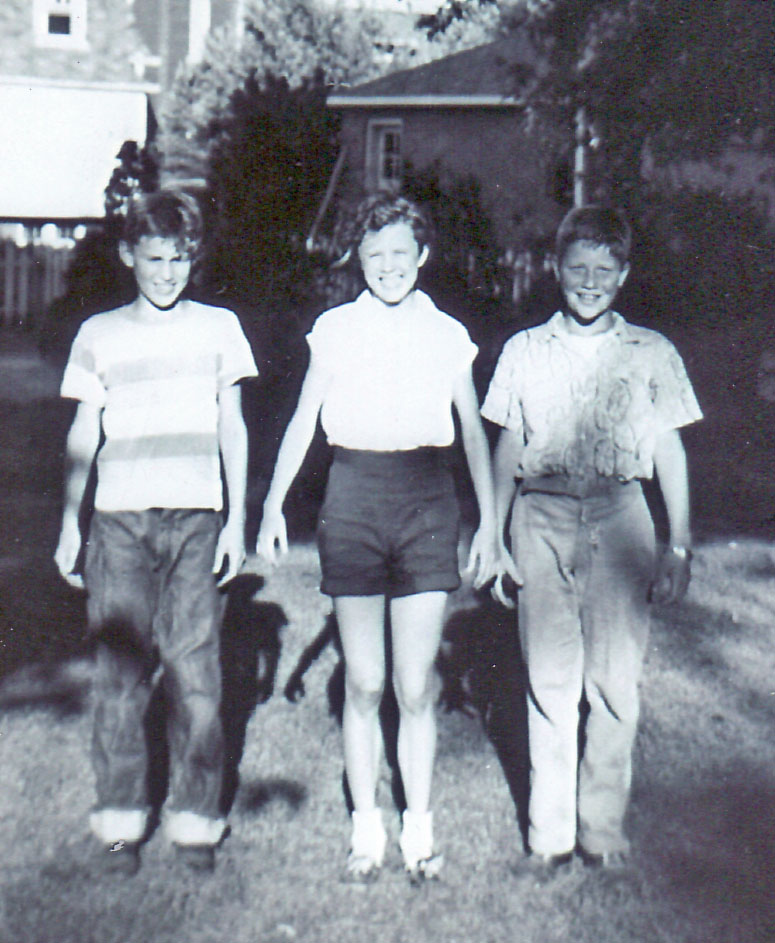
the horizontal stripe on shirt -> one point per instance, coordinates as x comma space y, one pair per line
170, 368
159, 446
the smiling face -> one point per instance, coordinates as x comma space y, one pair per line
391, 260
590, 277
160, 268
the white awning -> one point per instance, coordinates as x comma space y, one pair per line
58, 144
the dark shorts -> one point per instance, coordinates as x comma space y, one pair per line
389, 524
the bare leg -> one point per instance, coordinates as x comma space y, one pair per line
362, 629
417, 623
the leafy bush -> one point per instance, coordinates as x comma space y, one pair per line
96, 280
702, 257
271, 158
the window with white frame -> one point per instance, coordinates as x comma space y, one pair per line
384, 162
60, 24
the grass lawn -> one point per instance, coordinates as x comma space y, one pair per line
702, 814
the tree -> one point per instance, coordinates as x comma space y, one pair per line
459, 24
291, 40
662, 78
660, 83
270, 158
249, 127
137, 172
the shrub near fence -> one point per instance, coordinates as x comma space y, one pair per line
33, 263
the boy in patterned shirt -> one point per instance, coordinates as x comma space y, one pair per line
589, 406
159, 406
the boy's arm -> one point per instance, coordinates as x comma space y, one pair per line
273, 534
505, 463
83, 440
233, 443
674, 570
483, 556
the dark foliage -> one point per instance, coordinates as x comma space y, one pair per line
681, 79
96, 281
137, 171
701, 258
271, 159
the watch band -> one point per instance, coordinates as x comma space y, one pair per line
682, 552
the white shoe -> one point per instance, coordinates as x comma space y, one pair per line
367, 846
416, 845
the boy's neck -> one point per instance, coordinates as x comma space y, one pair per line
576, 325
141, 309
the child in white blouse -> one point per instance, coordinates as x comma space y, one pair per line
384, 374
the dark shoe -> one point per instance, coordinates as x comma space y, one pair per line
543, 868
200, 858
552, 862
121, 858
605, 860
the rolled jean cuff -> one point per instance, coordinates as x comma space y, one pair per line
112, 825
189, 828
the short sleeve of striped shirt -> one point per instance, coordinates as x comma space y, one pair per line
235, 360
81, 380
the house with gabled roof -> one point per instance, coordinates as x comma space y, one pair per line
78, 80
465, 115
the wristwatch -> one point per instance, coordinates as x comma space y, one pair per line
682, 552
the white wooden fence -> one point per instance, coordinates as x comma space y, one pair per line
33, 262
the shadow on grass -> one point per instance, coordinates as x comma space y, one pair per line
65, 698
695, 644
335, 690
482, 672
250, 653
255, 796
42, 620
713, 861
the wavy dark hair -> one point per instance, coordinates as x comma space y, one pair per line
374, 213
169, 213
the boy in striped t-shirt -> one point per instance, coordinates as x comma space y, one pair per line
159, 407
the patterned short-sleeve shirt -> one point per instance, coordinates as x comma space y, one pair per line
157, 385
589, 405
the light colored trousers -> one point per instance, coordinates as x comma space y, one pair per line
587, 564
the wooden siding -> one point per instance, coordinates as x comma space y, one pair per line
513, 167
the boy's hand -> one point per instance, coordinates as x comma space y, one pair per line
231, 547
67, 551
672, 578
507, 570
272, 536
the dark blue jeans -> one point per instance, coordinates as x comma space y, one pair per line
153, 603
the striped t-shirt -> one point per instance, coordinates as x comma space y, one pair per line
157, 385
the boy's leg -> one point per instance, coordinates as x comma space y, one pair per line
543, 534
121, 590
616, 624
188, 629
